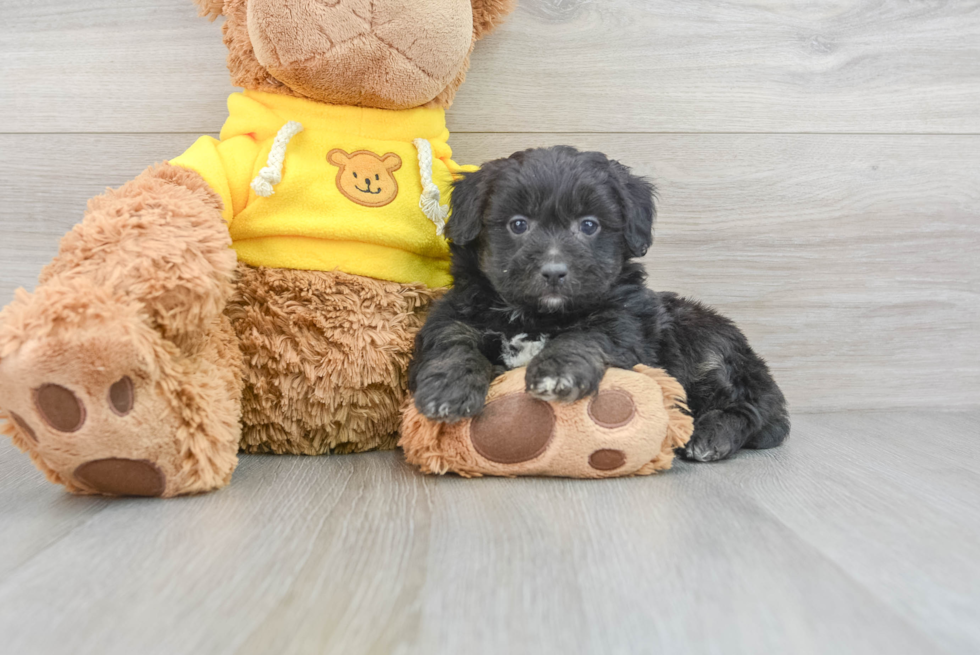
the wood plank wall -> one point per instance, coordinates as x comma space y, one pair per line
818, 163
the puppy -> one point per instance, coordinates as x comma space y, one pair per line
542, 246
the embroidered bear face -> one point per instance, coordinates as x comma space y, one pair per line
366, 178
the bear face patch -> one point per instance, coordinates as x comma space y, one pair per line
366, 178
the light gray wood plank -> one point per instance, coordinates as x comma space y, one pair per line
665, 565
848, 260
31, 517
573, 65
893, 499
110, 66
359, 554
762, 66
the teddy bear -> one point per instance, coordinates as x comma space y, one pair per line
261, 291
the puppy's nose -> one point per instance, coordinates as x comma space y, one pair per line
554, 272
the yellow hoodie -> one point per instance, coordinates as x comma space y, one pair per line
313, 186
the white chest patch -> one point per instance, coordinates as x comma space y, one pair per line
520, 350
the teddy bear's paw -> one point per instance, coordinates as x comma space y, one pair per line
620, 430
630, 426
88, 414
594, 437
99, 408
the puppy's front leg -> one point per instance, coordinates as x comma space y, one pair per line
570, 367
450, 376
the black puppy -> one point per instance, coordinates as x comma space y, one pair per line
542, 243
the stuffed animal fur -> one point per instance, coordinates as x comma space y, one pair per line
262, 291
630, 427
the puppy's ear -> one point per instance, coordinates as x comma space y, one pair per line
637, 197
469, 202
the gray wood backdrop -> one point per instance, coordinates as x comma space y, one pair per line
818, 163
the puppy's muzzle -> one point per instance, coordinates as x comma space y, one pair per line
554, 273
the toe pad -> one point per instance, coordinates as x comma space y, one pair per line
121, 396
612, 408
59, 408
24, 427
513, 429
607, 459
122, 477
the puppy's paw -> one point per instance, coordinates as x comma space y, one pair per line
705, 450
448, 398
714, 438
554, 376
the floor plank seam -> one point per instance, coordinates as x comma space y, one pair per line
717, 479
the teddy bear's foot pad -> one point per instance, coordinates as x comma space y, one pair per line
607, 459
89, 413
59, 408
630, 427
63, 412
107, 406
122, 477
518, 428
513, 429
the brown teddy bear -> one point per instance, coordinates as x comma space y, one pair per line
151, 351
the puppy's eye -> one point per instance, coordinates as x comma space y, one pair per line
518, 225
588, 226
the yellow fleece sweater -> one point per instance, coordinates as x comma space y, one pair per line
313, 186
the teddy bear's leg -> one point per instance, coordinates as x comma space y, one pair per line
120, 374
631, 426
326, 357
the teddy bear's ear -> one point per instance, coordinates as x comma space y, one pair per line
487, 14
392, 162
210, 8
338, 157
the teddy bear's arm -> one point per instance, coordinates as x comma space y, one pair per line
227, 166
127, 334
159, 239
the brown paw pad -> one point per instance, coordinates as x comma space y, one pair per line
122, 477
612, 408
59, 407
121, 396
513, 429
607, 459
24, 427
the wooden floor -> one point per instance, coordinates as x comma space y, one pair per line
819, 173
861, 534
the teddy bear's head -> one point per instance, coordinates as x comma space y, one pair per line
388, 54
